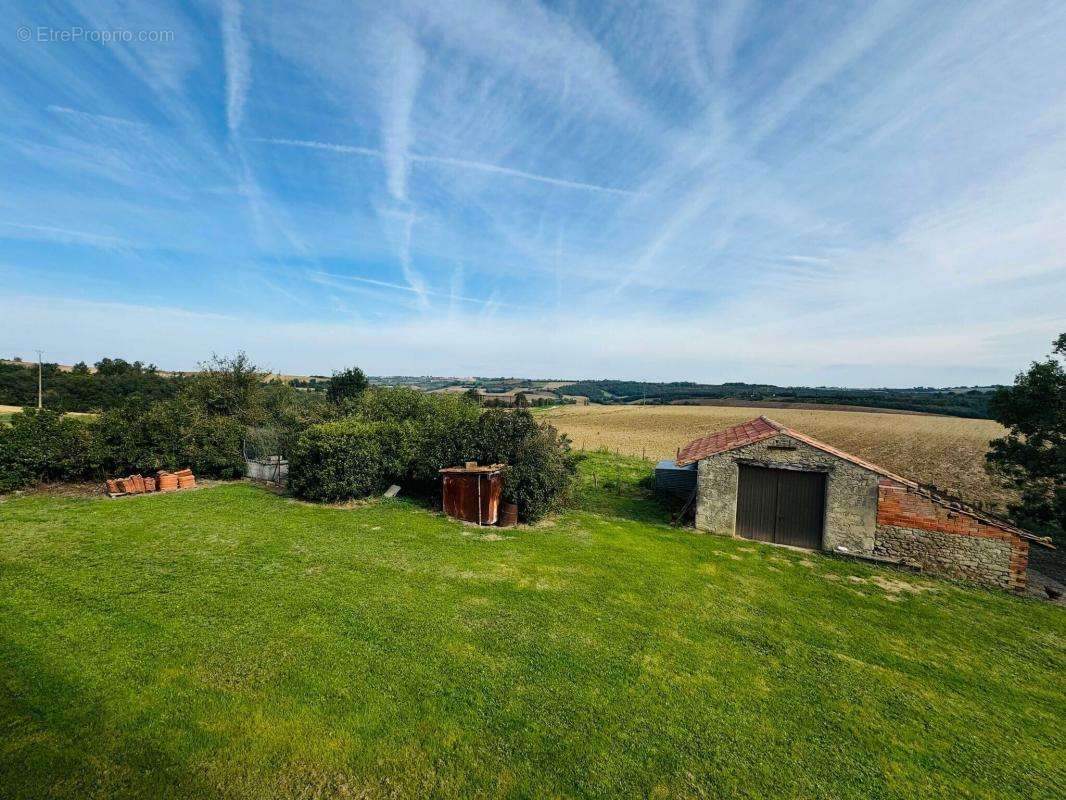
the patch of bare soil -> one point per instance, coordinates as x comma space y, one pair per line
96, 489
85, 489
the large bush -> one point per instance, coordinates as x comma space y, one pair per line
540, 466
213, 447
45, 445
446, 436
443, 427
143, 438
289, 412
346, 459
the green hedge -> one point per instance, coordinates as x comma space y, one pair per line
347, 459
46, 445
172, 434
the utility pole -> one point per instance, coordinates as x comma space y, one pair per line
40, 384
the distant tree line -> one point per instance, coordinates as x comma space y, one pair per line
111, 383
114, 382
971, 403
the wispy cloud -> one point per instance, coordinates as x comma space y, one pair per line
414, 280
99, 118
236, 53
736, 190
406, 65
50, 232
461, 163
342, 281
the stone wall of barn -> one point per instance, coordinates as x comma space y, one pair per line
919, 532
871, 516
851, 490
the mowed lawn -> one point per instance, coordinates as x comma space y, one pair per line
229, 642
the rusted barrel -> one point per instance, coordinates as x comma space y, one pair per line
508, 515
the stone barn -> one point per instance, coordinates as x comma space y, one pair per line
763, 481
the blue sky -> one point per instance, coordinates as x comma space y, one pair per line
813, 193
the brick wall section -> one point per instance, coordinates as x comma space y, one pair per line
925, 533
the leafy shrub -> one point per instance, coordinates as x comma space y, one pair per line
404, 436
442, 429
397, 404
212, 447
340, 460
45, 445
136, 438
289, 413
447, 435
540, 466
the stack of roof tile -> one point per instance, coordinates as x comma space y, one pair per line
163, 482
166, 481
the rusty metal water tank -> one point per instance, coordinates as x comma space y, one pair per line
472, 493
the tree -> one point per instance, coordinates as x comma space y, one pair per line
1031, 458
228, 386
347, 385
473, 395
521, 401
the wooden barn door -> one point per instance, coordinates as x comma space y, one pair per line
782, 506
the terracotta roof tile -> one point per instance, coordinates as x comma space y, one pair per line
749, 432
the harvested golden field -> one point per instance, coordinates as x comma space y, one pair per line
945, 451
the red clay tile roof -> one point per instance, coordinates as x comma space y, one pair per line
749, 432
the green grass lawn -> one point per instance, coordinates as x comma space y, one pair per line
229, 642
